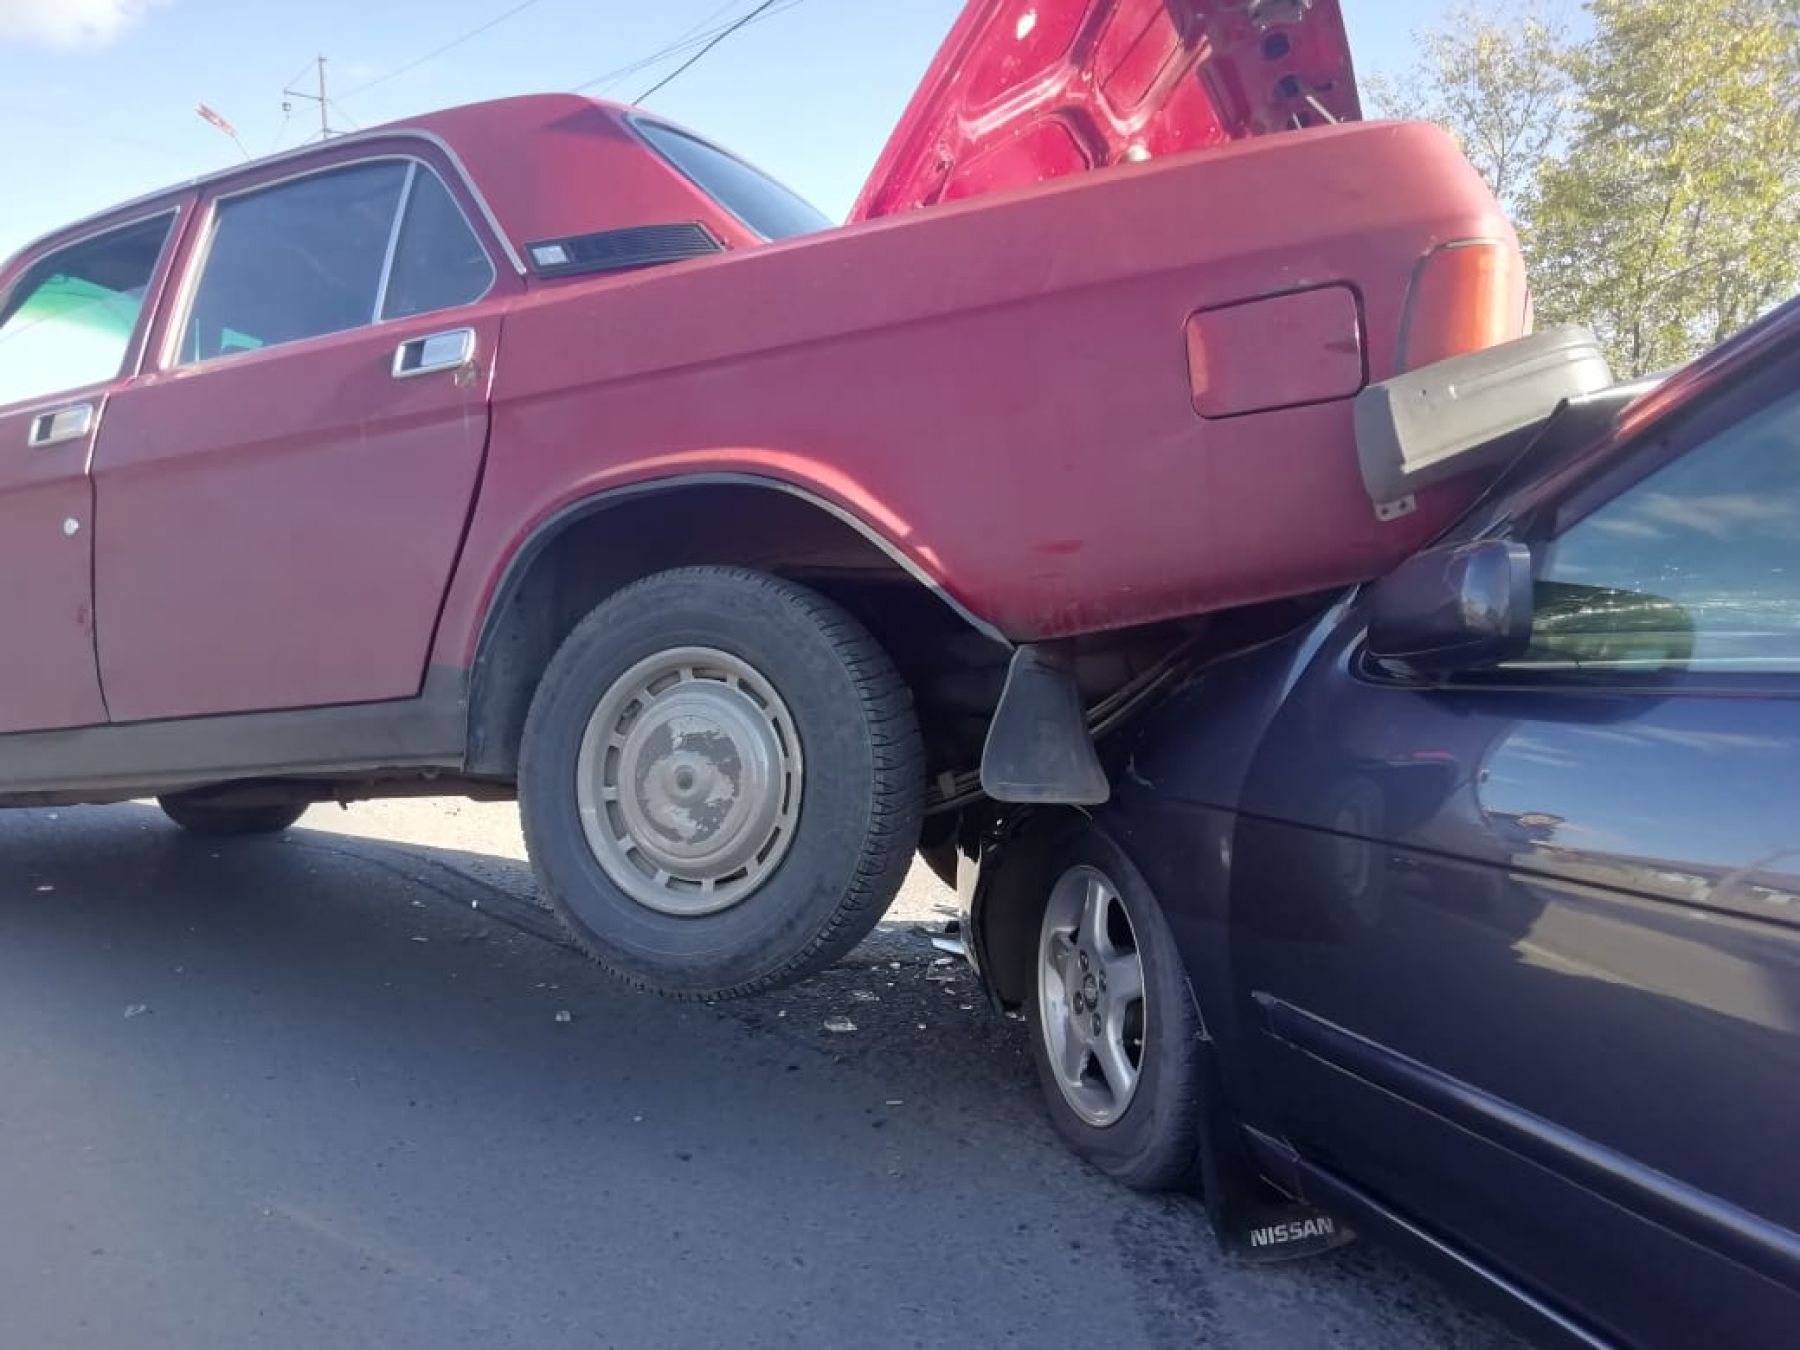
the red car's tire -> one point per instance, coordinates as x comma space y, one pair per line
721, 782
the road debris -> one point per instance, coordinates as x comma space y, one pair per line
564, 1016
839, 1024
136, 1010
865, 996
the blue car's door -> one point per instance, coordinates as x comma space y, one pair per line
1523, 953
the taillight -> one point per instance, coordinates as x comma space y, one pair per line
1465, 297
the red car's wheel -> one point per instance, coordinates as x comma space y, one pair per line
721, 782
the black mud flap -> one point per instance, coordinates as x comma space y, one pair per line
1278, 1230
1039, 750
1252, 1220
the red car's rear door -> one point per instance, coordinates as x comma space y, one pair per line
71, 320
282, 497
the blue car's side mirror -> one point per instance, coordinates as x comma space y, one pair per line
1458, 607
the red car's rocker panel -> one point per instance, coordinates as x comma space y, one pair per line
971, 381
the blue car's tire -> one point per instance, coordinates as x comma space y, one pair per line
1115, 1037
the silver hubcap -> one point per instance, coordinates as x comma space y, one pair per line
1091, 996
689, 781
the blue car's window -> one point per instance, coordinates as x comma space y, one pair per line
1696, 567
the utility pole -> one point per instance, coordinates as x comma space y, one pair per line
319, 98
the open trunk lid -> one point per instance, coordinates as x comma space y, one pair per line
1027, 90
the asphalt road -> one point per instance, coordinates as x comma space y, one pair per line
315, 1091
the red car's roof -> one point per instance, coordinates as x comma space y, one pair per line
502, 118
1025, 90
546, 165
557, 164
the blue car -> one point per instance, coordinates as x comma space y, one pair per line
1465, 909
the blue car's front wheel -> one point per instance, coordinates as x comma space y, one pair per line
1114, 1034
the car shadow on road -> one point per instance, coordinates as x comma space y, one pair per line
291, 1054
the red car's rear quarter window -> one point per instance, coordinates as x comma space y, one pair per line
763, 204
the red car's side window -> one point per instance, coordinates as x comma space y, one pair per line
439, 263
69, 322
335, 250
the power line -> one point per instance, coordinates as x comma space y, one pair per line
698, 56
619, 73
436, 52
686, 43
717, 14
287, 115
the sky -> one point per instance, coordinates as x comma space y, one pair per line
97, 97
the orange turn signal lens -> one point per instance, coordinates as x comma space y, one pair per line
1465, 297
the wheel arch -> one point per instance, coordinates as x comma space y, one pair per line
1018, 866
1004, 916
591, 547
1020, 863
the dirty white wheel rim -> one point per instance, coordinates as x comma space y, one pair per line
689, 780
1091, 1005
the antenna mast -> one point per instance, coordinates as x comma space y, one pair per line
320, 98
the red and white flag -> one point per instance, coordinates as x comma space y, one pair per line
217, 121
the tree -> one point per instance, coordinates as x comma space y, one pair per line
1653, 168
1672, 216
1500, 85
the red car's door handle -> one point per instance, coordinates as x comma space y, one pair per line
64, 424
437, 351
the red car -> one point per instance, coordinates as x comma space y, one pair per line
543, 446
